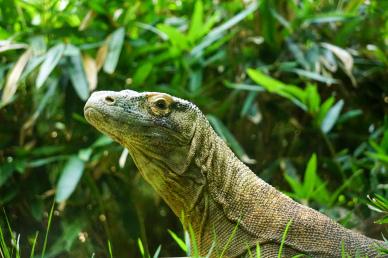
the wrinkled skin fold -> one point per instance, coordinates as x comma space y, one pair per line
207, 187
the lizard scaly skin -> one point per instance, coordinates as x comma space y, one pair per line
208, 187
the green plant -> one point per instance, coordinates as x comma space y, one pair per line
278, 80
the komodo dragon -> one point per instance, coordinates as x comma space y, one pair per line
194, 171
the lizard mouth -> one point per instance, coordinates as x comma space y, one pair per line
92, 115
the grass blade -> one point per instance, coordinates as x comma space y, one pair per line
258, 251
178, 240
229, 241
34, 244
4, 248
110, 249
284, 238
47, 230
157, 252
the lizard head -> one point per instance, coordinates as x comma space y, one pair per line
156, 128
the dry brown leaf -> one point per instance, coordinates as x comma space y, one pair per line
11, 46
345, 57
14, 75
87, 20
90, 68
101, 55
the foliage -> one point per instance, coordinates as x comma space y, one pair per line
285, 83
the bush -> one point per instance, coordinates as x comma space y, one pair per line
288, 84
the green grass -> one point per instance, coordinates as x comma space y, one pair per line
10, 250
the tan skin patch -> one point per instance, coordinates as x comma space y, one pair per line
160, 103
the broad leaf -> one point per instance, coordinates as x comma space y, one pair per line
196, 24
176, 37
52, 58
13, 77
225, 134
332, 116
69, 178
310, 176
142, 73
76, 72
91, 71
115, 43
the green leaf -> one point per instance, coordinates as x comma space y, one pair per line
196, 24
225, 134
284, 237
267, 82
295, 185
115, 44
178, 240
6, 171
71, 231
142, 73
325, 107
243, 86
291, 92
313, 100
332, 116
157, 252
326, 18
384, 141
69, 178
217, 33
52, 58
141, 247
195, 80
76, 72
298, 54
314, 76
310, 176
176, 37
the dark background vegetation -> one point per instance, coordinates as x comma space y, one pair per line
326, 107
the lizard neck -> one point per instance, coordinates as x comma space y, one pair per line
226, 179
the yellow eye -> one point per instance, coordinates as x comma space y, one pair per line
160, 103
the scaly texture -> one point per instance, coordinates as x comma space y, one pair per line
208, 187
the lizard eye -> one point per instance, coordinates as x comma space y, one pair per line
161, 104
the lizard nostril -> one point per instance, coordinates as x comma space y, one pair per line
109, 100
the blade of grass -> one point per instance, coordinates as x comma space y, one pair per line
230, 239
178, 240
157, 252
284, 238
110, 249
210, 250
193, 242
258, 255
47, 230
33, 244
14, 241
248, 251
3, 244
141, 248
